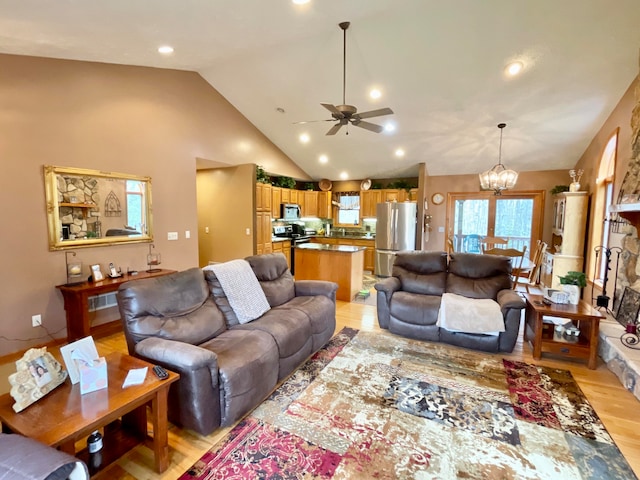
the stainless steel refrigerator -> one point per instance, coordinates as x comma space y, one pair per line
395, 231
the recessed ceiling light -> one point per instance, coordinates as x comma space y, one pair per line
323, 159
514, 68
304, 138
344, 175
389, 127
375, 93
300, 2
399, 152
165, 50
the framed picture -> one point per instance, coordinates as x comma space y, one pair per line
628, 307
96, 273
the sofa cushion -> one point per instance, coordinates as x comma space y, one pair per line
289, 328
220, 299
415, 308
248, 370
319, 309
274, 276
421, 272
478, 276
175, 306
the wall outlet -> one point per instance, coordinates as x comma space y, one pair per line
187, 234
36, 320
172, 235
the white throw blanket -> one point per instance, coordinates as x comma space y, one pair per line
241, 286
470, 315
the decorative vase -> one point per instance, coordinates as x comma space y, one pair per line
574, 187
574, 293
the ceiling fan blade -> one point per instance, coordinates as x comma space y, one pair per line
313, 121
333, 130
375, 113
333, 109
372, 127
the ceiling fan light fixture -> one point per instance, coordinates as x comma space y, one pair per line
498, 178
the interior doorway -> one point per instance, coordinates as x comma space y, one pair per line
514, 215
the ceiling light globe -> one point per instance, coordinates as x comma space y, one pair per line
323, 159
514, 68
399, 152
344, 176
165, 50
375, 93
389, 127
304, 138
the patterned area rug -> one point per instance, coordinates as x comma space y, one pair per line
373, 405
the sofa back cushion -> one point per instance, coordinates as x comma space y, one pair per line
274, 277
421, 272
175, 307
478, 276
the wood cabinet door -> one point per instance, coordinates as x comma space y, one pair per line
286, 250
310, 204
293, 196
266, 197
369, 199
324, 205
263, 232
285, 195
276, 200
259, 187
390, 195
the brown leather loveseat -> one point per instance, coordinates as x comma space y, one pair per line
184, 322
408, 302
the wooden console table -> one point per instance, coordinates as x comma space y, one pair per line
76, 303
583, 314
64, 415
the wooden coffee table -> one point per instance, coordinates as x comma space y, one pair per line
583, 315
64, 416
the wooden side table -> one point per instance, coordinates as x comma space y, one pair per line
76, 303
583, 315
65, 416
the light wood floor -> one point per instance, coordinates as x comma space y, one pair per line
617, 408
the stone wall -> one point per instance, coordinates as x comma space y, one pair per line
82, 221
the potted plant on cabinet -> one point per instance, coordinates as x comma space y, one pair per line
571, 283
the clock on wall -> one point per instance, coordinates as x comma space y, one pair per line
437, 198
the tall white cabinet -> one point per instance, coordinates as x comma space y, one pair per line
569, 227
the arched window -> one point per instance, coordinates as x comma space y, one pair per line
604, 198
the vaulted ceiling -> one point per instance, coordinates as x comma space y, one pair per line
440, 65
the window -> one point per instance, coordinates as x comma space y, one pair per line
603, 198
135, 205
512, 215
349, 211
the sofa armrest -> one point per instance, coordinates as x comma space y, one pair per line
194, 400
179, 356
309, 288
509, 299
385, 289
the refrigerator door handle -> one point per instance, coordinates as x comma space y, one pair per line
394, 222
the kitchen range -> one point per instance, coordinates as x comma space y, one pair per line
298, 235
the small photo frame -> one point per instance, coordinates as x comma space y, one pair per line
629, 307
96, 273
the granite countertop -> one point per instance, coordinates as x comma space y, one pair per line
330, 248
348, 237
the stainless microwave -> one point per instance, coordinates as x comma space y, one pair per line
289, 211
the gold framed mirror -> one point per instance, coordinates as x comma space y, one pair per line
87, 208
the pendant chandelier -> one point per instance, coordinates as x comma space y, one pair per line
498, 178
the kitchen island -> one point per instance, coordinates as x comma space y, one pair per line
342, 264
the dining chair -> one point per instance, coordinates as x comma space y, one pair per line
494, 242
472, 244
516, 256
531, 274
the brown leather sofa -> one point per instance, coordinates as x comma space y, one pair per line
23, 458
409, 300
183, 322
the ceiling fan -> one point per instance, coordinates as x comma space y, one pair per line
348, 114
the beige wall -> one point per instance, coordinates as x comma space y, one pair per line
136, 120
543, 180
225, 209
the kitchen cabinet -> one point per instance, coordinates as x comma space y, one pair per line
276, 200
310, 208
293, 194
390, 195
368, 201
283, 247
262, 237
325, 209
285, 195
